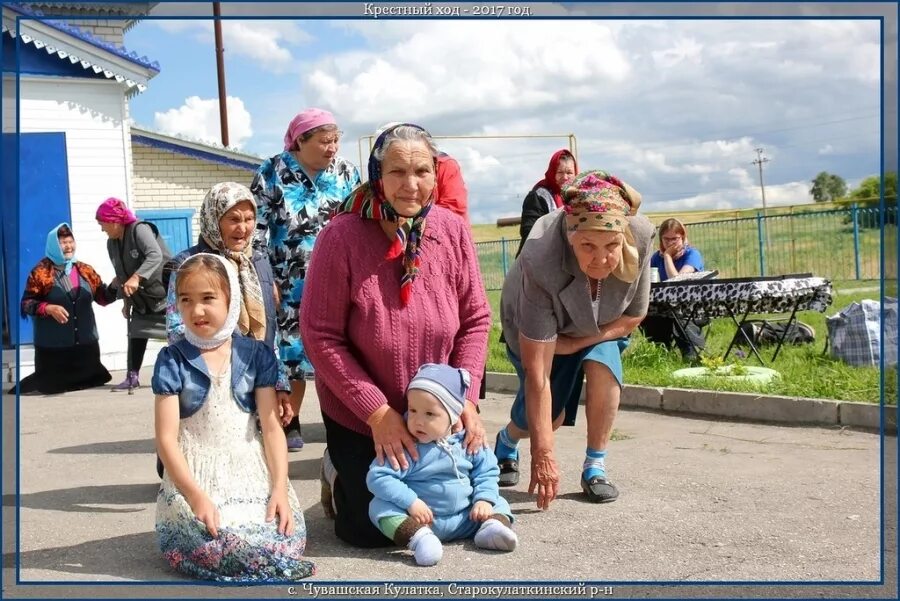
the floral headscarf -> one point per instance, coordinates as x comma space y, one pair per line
368, 201
600, 202
219, 200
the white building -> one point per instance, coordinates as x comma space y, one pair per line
76, 148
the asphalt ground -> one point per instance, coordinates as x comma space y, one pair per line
702, 501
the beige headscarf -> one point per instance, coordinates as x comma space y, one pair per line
218, 201
598, 201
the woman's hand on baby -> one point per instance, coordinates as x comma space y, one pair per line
391, 437
285, 411
481, 511
278, 505
471, 421
420, 512
205, 511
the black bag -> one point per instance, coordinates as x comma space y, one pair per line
761, 332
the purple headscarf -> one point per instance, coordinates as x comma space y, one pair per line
113, 210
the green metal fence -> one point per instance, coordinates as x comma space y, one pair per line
840, 244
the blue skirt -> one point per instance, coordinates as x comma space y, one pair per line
566, 377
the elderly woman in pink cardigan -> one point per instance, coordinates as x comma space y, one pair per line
393, 283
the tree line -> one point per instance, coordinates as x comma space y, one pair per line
829, 187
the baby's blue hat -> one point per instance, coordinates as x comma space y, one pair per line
448, 384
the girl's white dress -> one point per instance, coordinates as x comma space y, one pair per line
224, 452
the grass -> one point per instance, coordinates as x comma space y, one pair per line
805, 371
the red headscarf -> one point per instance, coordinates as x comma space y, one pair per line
549, 180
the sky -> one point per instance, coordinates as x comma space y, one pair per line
674, 107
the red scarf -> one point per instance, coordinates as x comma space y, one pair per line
549, 180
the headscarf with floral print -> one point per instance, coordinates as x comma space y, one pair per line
368, 201
219, 200
600, 202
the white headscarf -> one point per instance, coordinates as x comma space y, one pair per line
234, 307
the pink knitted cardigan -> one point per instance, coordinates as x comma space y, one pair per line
364, 345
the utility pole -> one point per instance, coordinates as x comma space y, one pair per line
760, 159
220, 68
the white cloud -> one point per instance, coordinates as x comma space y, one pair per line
684, 50
442, 67
676, 108
262, 41
199, 119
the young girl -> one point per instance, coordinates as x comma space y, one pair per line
226, 510
445, 495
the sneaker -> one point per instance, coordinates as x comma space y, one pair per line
294, 439
599, 490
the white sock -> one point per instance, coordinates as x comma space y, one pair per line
426, 547
496, 535
328, 468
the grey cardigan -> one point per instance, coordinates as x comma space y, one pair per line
546, 294
141, 250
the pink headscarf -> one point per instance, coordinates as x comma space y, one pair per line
113, 210
305, 121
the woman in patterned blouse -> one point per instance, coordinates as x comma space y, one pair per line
295, 193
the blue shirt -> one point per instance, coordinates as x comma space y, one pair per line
181, 371
690, 257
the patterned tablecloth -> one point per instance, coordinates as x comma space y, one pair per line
719, 298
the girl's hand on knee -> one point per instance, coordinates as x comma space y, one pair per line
207, 512
420, 512
279, 505
481, 511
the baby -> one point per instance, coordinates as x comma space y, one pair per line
445, 495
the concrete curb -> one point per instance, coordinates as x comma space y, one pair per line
739, 406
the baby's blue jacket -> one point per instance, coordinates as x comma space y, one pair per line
433, 480
180, 370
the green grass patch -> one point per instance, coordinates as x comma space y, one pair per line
805, 370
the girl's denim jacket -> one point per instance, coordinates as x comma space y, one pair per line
180, 370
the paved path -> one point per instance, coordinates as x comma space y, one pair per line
701, 500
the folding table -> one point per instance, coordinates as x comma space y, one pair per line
737, 298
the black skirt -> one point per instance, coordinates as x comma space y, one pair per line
59, 370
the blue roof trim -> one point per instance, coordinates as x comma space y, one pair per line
197, 154
84, 36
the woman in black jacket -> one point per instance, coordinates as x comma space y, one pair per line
545, 196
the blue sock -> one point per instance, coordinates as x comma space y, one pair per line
506, 448
594, 464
